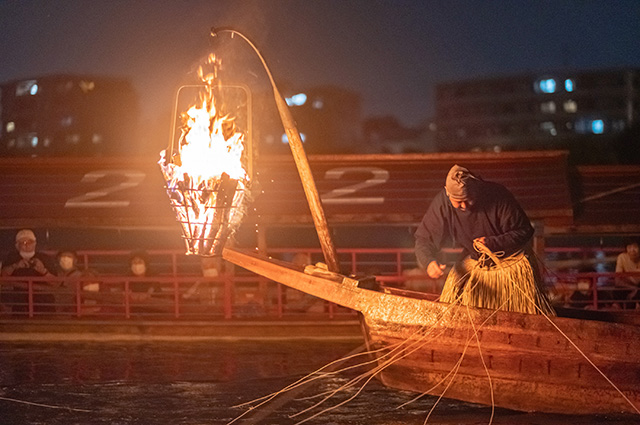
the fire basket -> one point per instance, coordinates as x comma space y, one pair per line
207, 176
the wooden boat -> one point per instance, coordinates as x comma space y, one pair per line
510, 360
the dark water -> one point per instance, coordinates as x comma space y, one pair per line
201, 382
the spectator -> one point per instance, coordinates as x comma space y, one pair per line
26, 261
66, 267
211, 266
582, 297
207, 291
139, 268
629, 262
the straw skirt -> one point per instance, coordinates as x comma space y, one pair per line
511, 285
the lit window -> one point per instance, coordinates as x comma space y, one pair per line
297, 99
570, 106
589, 125
96, 139
11, 126
597, 126
548, 107
26, 87
580, 125
72, 139
87, 86
569, 85
318, 104
285, 139
547, 85
34, 141
549, 127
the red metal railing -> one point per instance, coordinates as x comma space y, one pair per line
224, 297
181, 292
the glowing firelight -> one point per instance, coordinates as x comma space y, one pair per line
207, 179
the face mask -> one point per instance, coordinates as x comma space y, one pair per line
66, 263
27, 255
138, 269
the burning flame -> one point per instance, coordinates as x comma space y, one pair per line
207, 178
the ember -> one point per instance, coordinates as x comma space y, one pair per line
207, 178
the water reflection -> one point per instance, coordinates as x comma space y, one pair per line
199, 383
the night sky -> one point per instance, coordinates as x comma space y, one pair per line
391, 52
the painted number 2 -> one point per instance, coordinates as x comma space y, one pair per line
96, 198
344, 195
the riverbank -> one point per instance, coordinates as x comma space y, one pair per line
151, 330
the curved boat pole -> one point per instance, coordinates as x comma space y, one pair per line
302, 164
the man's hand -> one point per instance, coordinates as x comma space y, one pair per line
22, 264
482, 240
39, 266
435, 270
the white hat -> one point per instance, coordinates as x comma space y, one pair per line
25, 234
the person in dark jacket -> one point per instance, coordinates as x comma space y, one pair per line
26, 261
484, 218
67, 267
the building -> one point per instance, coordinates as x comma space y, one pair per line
587, 112
68, 115
385, 134
328, 118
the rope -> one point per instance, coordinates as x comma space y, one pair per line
410, 345
317, 375
589, 360
456, 368
395, 353
546, 316
371, 374
299, 383
49, 406
486, 252
484, 364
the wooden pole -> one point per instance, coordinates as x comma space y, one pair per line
302, 164
308, 184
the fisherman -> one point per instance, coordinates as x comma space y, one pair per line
496, 269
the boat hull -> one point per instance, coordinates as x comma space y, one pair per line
510, 360
515, 361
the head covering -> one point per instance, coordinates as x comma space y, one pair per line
69, 252
141, 254
25, 234
457, 183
